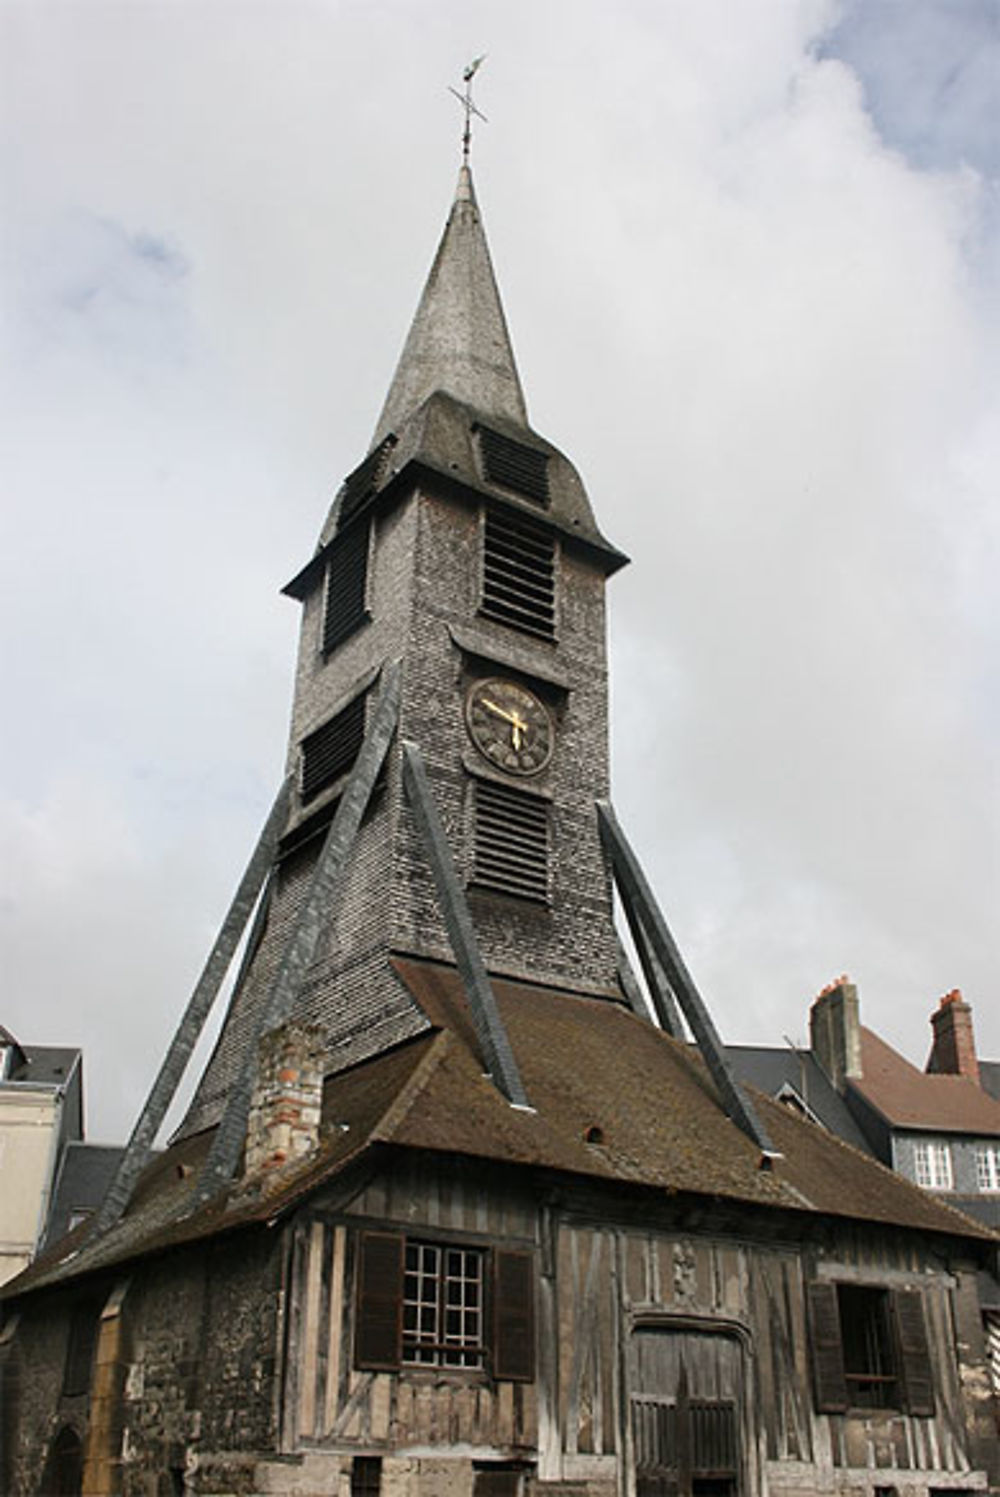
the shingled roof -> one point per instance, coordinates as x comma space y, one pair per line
612, 1098
909, 1098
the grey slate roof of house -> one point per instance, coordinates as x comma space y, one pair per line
48, 1065
771, 1068
85, 1174
989, 1077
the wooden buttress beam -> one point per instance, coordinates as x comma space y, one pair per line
164, 1088
313, 919
640, 904
490, 1032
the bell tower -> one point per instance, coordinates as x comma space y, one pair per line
463, 549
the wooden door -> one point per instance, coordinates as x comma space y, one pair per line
687, 1398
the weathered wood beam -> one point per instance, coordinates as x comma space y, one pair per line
489, 1026
313, 919
637, 896
164, 1088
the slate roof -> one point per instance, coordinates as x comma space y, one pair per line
45, 1065
989, 1077
587, 1064
770, 1068
84, 1175
909, 1098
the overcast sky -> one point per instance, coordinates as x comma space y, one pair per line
749, 257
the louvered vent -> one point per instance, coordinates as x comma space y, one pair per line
511, 845
332, 749
514, 466
519, 575
362, 483
346, 585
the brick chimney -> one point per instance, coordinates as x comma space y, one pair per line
953, 1052
835, 1031
283, 1127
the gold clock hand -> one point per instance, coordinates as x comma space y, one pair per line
509, 717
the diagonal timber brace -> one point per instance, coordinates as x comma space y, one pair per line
641, 906
164, 1088
490, 1032
656, 982
313, 919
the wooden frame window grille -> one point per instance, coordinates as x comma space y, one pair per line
519, 575
870, 1349
345, 605
513, 465
443, 1310
444, 1305
330, 751
932, 1164
510, 846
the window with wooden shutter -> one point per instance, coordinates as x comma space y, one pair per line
346, 586
870, 1349
510, 841
514, 1316
914, 1352
424, 1304
513, 465
519, 575
330, 751
378, 1332
829, 1382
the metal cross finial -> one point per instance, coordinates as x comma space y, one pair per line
466, 102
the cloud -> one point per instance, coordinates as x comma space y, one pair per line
91, 287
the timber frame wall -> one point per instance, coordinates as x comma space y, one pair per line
608, 1270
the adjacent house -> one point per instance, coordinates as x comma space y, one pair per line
41, 1114
52, 1178
939, 1127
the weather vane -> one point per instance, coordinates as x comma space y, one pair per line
466, 102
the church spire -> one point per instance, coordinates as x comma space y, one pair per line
458, 342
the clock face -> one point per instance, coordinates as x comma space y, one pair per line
509, 725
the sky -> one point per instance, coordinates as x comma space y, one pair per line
750, 258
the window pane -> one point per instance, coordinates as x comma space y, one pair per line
442, 1320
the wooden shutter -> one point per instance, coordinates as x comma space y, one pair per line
519, 575
511, 841
378, 1318
514, 1316
346, 586
914, 1352
827, 1350
512, 465
330, 751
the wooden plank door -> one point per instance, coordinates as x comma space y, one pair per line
686, 1399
